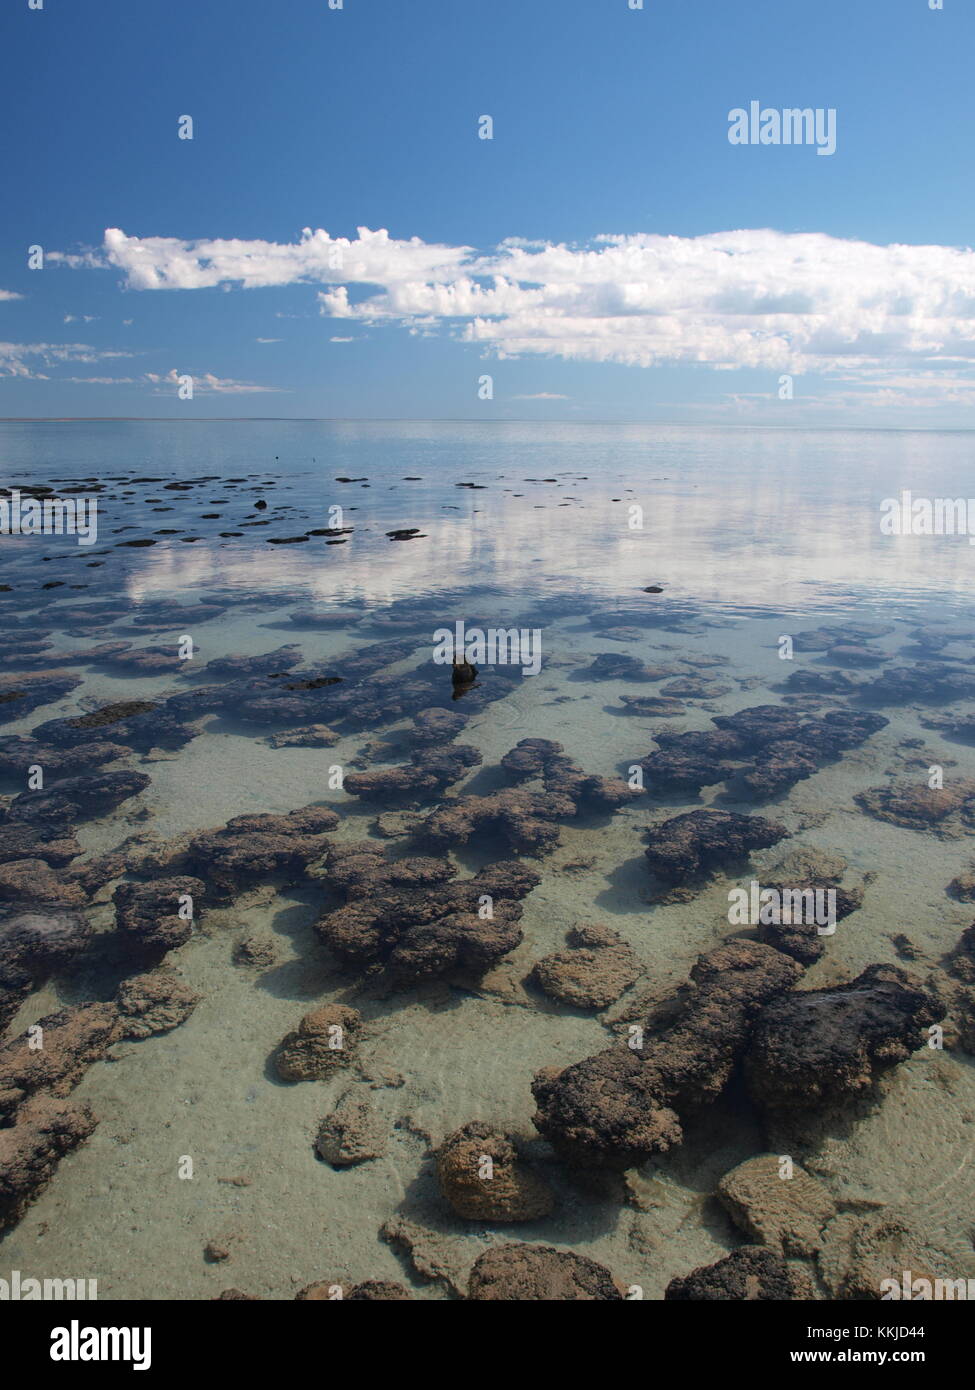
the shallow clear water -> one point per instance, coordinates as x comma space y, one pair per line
751, 536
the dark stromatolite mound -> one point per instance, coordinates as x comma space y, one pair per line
807, 681
246, 849
406, 914
901, 685
801, 938
34, 943
31, 1148
682, 769
101, 655
530, 757
167, 614
692, 845
539, 1273
622, 1105
428, 773
786, 747
542, 757
760, 725
856, 654
593, 973
378, 1291
783, 765
816, 1047
153, 915
138, 724
587, 790
526, 820
150, 661
77, 798
436, 726
326, 1039
505, 1189
617, 666
22, 693
18, 754
369, 1291
281, 659
71, 1040
51, 844
750, 1272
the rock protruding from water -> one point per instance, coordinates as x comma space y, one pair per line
540, 1274
485, 1178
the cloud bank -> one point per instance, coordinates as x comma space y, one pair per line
786, 302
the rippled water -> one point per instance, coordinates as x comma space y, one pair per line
749, 535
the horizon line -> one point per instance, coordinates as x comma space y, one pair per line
460, 420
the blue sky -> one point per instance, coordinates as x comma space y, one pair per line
608, 123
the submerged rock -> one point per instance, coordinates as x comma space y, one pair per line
18, 754
257, 950
55, 1059
155, 1002
326, 1039
137, 724
77, 798
621, 1105
310, 736
652, 706
378, 1291
695, 844
51, 844
524, 819
816, 1047
436, 726
30, 1149
617, 666
155, 914
281, 659
561, 777
32, 881
858, 1252
352, 1134
750, 1272
22, 693
539, 1273
34, 943
593, 974
429, 772
921, 807
484, 1178
786, 1213
437, 931
247, 849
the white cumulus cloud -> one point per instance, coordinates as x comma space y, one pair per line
759, 298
